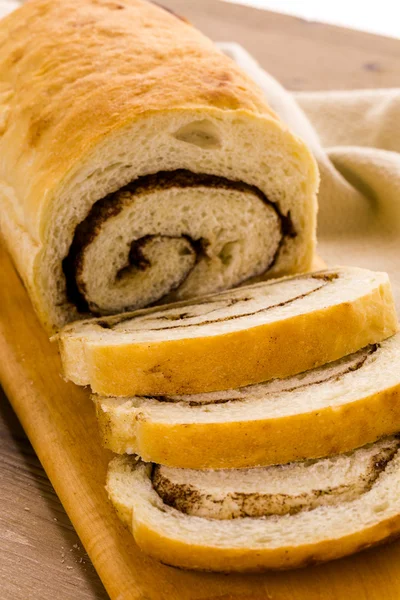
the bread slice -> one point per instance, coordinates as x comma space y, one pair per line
329, 410
231, 339
154, 168
276, 517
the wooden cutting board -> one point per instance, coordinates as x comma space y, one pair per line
59, 418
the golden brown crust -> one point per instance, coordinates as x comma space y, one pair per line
277, 349
116, 74
240, 444
126, 84
168, 544
191, 556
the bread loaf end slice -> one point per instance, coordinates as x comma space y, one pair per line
278, 517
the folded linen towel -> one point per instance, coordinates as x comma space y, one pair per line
355, 137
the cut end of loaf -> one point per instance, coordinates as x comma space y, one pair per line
189, 197
210, 121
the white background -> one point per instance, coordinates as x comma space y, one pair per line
375, 16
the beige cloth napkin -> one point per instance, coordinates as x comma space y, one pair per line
355, 137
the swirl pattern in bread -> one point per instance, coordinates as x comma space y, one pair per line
163, 255
277, 490
278, 517
231, 339
154, 171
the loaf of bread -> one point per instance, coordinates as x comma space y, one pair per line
331, 409
138, 163
231, 339
274, 517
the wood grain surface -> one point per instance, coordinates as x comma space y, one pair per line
303, 55
41, 555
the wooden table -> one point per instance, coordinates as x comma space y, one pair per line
41, 556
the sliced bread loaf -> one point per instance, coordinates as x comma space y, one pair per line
232, 339
273, 517
331, 409
138, 162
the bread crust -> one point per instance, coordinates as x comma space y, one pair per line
144, 516
207, 558
235, 359
103, 78
100, 100
250, 443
